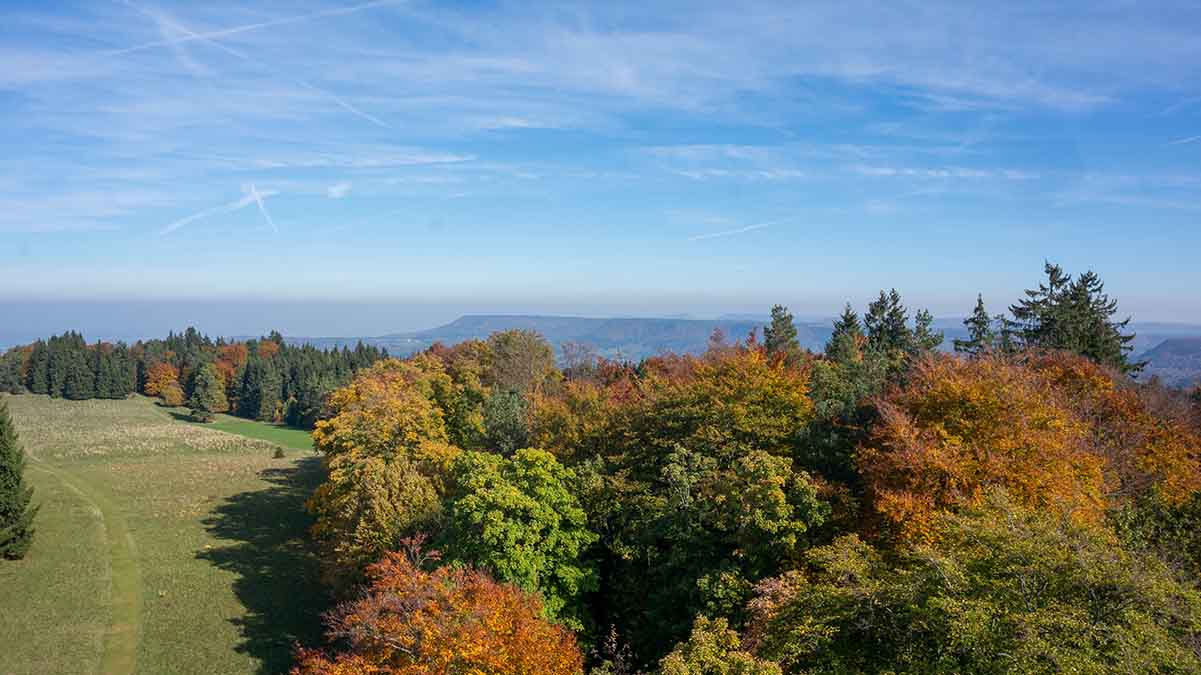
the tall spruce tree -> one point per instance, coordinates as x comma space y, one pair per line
925, 338
981, 337
845, 343
38, 380
1074, 315
887, 323
79, 382
780, 336
16, 513
208, 394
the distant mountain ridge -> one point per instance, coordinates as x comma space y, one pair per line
1175, 361
619, 338
1173, 350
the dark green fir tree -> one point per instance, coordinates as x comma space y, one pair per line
780, 337
981, 337
16, 513
846, 342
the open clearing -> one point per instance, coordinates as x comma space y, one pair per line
162, 546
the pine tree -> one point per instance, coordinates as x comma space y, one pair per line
1074, 315
887, 323
78, 380
981, 337
925, 338
38, 380
16, 514
208, 394
846, 342
780, 337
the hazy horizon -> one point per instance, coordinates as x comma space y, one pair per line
130, 320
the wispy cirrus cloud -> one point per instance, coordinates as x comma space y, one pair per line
945, 172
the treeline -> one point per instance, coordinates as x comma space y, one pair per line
1019, 506
264, 379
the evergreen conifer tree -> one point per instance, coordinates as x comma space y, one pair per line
925, 338
981, 337
39, 369
208, 394
780, 337
78, 380
16, 514
1073, 315
846, 341
886, 322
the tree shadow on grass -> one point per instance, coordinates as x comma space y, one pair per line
277, 577
179, 416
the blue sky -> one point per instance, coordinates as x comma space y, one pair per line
642, 158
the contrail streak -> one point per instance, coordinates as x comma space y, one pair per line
262, 209
225, 32
1182, 141
191, 35
748, 228
251, 198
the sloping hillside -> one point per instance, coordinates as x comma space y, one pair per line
626, 338
1176, 361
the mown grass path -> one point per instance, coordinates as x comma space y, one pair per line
161, 546
119, 656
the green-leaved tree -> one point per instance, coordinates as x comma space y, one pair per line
1075, 315
981, 337
780, 337
520, 518
16, 513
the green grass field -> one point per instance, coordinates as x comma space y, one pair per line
295, 439
162, 546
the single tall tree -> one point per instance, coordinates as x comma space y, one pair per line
16, 514
208, 394
925, 338
780, 337
846, 342
981, 337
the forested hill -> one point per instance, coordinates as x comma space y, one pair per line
637, 338
1176, 361
618, 338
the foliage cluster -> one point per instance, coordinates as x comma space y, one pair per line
1021, 505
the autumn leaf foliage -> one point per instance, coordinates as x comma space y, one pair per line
1055, 430
447, 621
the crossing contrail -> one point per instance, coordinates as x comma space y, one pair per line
225, 32
209, 39
253, 196
258, 198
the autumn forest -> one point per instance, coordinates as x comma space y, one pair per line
1017, 501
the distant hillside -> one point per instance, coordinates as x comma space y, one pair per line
638, 338
1177, 361
624, 338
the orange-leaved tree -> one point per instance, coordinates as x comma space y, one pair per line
1055, 430
160, 376
411, 621
386, 452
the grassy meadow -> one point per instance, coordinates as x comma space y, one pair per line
162, 546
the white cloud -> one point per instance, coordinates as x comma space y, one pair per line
338, 190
